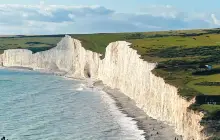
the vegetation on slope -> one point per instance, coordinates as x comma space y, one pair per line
33, 43
181, 57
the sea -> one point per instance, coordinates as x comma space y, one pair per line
42, 106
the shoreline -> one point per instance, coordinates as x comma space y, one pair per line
153, 129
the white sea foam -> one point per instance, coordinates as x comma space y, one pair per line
127, 124
80, 87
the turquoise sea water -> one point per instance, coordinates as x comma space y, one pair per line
37, 106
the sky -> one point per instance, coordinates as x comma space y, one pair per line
98, 16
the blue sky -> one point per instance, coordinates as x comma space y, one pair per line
186, 5
92, 16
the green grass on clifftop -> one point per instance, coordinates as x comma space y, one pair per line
34, 43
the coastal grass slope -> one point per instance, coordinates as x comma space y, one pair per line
33, 43
187, 59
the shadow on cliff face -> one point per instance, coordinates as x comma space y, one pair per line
87, 71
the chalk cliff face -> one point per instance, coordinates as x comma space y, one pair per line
123, 69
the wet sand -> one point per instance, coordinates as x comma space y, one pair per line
154, 129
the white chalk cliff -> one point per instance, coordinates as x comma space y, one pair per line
121, 68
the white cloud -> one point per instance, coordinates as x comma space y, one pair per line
42, 2
24, 14
53, 19
215, 20
166, 11
71, 16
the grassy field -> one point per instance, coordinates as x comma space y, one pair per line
180, 56
33, 43
210, 90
